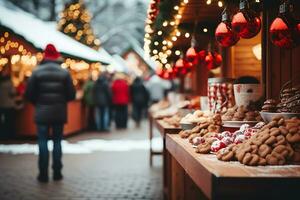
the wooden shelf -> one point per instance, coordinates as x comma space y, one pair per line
232, 180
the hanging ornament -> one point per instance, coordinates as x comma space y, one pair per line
180, 67
160, 72
246, 23
201, 56
209, 61
191, 55
283, 29
224, 35
297, 32
170, 74
217, 59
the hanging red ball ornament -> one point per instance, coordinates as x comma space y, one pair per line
191, 55
170, 73
209, 61
217, 60
160, 72
202, 55
180, 67
245, 23
297, 32
283, 30
281, 34
224, 34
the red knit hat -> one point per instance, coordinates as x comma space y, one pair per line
50, 52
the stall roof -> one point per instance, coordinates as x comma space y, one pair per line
39, 34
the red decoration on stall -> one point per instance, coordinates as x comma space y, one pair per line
283, 29
217, 59
209, 61
201, 55
181, 67
191, 55
224, 34
160, 72
246, 23
213, 60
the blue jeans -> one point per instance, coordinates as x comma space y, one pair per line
102, 118
43, 133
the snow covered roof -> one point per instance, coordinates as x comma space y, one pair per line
39, 34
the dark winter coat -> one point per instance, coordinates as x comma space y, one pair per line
101, 92
139, 94
50, 88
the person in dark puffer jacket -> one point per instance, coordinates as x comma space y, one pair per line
50, 88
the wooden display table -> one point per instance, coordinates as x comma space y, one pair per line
197, 176
163, 129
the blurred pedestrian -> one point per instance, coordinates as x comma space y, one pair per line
102, 99
139, 98
50, 88
120, 99
7, 105
88, 100
157, 88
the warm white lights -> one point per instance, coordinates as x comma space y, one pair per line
208, 2
177, 52
220, 4
187, 35
176, 7
159, 33
205, 30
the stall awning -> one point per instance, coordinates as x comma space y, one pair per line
39, 34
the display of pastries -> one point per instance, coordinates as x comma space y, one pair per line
196, 117
277, 143
173, 121
241, 114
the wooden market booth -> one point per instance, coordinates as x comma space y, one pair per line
192, 176
22, 39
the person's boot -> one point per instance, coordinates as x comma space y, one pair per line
57, 176
43, 177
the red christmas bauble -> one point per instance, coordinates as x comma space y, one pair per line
191, 55
209, 61
180, 67
201, 55
281, 34
170, 74
217, 60
297, 32
160, 72
225, 36
246, 24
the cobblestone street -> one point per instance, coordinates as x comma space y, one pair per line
98, 175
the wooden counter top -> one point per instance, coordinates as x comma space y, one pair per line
232, 180
165, 128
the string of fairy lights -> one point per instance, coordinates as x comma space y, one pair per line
162, 50
75, 22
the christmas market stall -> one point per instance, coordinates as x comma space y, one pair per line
242, 58
22, 39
